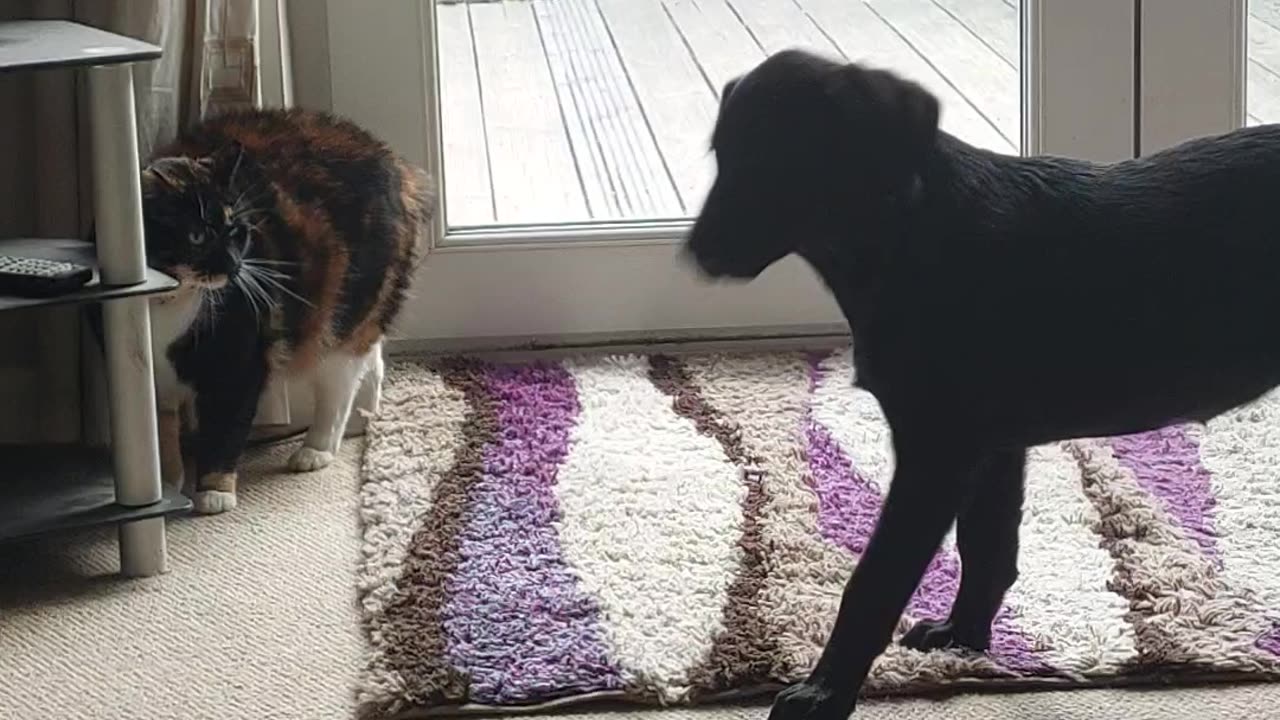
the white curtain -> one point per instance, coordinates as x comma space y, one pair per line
213, 60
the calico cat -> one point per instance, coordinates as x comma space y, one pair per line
294, 235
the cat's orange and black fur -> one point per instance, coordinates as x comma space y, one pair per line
295, 236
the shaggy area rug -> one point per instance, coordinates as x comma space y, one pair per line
678, 529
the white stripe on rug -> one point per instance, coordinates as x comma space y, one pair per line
1241, 450
651, 521
1062, 596
854, 419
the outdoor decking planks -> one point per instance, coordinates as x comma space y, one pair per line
579, 110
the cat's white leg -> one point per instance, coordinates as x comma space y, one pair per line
369, 399
336, 382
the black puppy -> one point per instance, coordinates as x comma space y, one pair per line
996, 303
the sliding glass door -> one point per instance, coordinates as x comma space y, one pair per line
570, 137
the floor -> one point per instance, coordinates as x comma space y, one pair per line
257, 621
595, 110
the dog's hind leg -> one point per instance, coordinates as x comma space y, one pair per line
987, 537
930, 483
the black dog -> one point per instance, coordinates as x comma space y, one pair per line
996, 303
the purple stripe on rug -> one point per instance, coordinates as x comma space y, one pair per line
1270, 642
1166, 463
516, 620
848, 508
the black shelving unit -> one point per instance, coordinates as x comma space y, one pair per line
45, 489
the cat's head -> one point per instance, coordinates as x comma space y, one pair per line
199, 215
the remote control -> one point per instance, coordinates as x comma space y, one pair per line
37, 277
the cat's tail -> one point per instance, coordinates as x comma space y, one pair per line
421, 201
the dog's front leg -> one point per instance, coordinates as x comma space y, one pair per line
931, 481
987, 536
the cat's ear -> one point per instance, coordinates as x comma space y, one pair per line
226, 163
167, 174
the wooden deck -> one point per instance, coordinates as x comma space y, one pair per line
595, 110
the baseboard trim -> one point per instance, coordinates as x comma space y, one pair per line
695, 340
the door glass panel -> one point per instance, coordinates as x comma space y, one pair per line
1262, 71
599, 111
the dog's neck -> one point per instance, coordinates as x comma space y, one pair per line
852, 267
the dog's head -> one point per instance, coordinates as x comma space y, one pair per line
807, 150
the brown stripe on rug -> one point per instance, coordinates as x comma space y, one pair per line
409, 446
412, 635
1185, 616
771, 419
741, 654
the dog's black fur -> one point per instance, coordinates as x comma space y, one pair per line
996, 303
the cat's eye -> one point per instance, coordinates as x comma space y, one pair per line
195, 239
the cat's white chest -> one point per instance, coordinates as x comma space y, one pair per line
171, 318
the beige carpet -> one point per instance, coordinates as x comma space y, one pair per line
257, 622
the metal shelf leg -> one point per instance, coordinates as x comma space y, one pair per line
126, 322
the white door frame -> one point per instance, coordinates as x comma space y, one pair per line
563, 285
1192, 65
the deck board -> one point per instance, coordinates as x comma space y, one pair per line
721, 45
864, 36
1263, 92
678, 103
535, 176
995, 22
1263, 83
469, 192
575, 110
781, 25
622, 169
991, 86
1267, 11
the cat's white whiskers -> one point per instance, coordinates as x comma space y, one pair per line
249, 212
269, 262
210, 307
271, 272
250, 289
254, 280
280, 286
267, 298
265, 276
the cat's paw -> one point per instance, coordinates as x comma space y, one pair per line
215, 493
307, 459
212, 502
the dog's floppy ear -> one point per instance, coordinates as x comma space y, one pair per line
900, 114
728, 88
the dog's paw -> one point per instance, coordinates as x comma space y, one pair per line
810, 701
939, 635
307, 459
